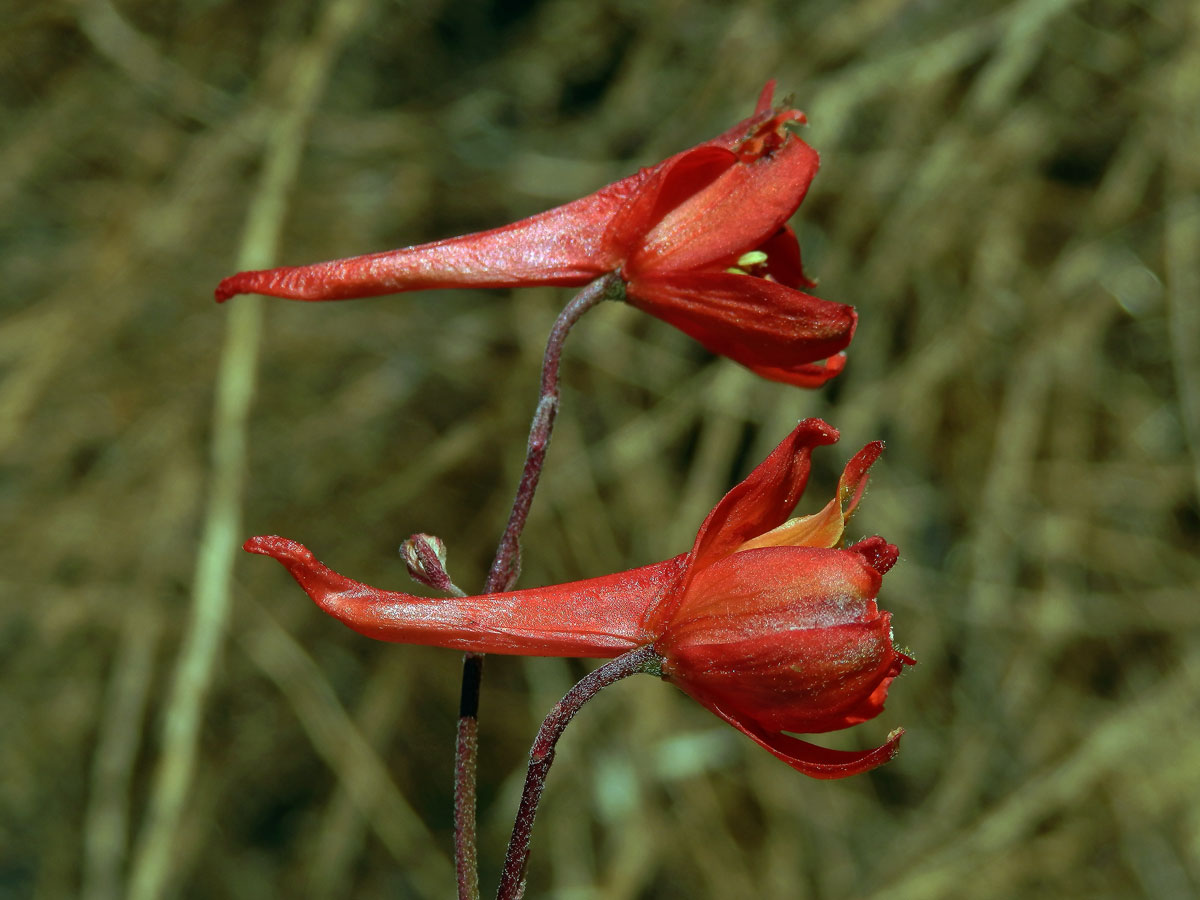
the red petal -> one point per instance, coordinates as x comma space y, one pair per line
808, 375
788, 636
879, 554
765, 498
600, 617
794, 681
783, 259
786, 589
853, 482
764, 326
872, 706
812, 760
667, 185
822, 762
765, 98
566, 245
737, 212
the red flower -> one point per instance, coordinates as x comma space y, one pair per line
700, 241
764, 621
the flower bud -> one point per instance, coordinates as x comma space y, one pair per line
425, 556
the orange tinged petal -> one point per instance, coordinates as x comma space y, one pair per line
824, 529
764, 498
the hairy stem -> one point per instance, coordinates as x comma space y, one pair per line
643, 659
466, 750
507, 564
504, 572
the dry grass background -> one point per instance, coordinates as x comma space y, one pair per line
1009, 195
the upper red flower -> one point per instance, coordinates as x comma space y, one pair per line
765, 621
700, 241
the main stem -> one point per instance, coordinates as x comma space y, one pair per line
503, 574
643, 659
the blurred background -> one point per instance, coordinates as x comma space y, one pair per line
1008, 195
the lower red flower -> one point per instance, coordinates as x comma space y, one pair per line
766, 621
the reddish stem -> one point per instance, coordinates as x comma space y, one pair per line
643, 659
507, 564
504, 572
466, 751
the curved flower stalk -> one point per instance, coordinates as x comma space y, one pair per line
765, 621
699, 240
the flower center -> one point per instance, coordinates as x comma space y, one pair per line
769, 136
752, 263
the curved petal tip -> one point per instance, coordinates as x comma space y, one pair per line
765, 98
816, 432
810, 759
821, 762
879, 554
279, 548
226, 289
